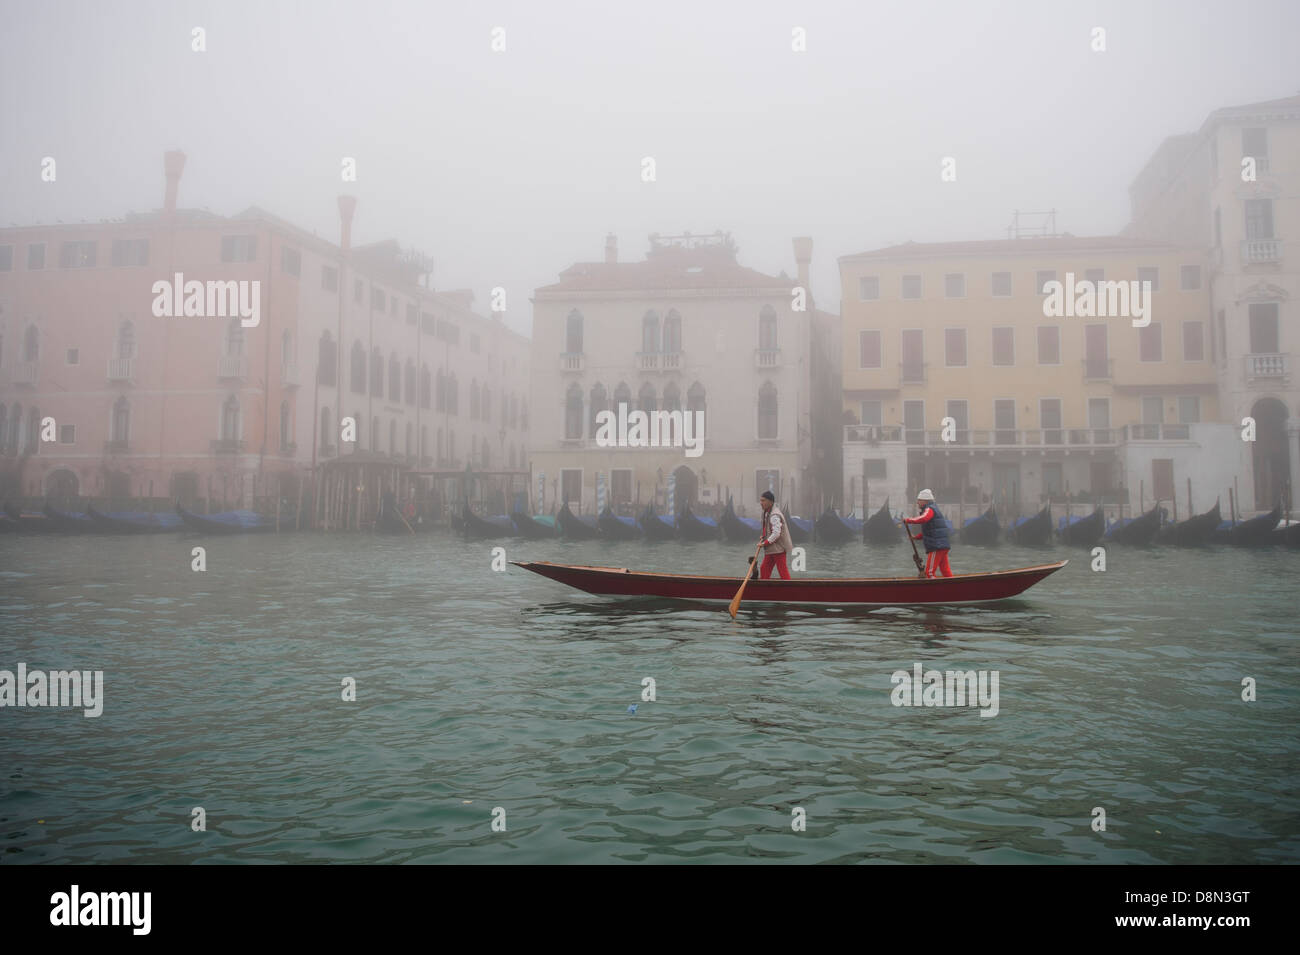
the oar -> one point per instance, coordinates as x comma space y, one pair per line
735, 601
404, 521
916, 558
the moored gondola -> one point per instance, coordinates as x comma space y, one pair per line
533, 528
693, 528
1083, 531
1287, 534
881, 528
1135, 530
1249, 533
1033, 530
656, 528
618, 528
983, 530
1195, 530
69, 522
801, 529
476, 527
226, 522
135, 522
833, 529
575, 528
26, 522
739, 530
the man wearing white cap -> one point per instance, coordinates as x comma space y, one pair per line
934, 531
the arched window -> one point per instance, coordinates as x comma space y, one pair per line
451, 447
34, 431
512, 457
599, 400
424, 442
767, 328
442, 391
120, 429
409, 430
234, 339
126, 340
31, 344
672, 332
441, 456
523, 415
410, 382
573, 412
392, 437
286, 347
646, 398
485, 451
16, 428
394, 379
453, 394
622, 396
473, 400
695, 398
376, 374
486, 399
230, 419
327, 360
356, 442
326, 430
374, 433
650, 332
672, 397
514, 411
767, 410
573, 333
358, 369
424, 388
286, 428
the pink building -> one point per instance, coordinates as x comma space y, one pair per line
103, 397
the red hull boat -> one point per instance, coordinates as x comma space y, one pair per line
895, 591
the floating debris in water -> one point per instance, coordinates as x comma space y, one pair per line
632, 708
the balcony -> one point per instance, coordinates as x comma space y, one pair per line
121, 369
1265, 366
671, 361
117, 446
1098, 369
911, 373
25, 373
648, 360
232, 366
872, 433
767, 358
1261, 251
573, 362
1155, 432
982, 439
655, 361
289, 374
227, 446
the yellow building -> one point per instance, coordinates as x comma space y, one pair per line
1051, 394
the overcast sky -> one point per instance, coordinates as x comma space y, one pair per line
507, 167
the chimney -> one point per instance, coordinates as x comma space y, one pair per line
611, 249
347, 206
173, 166
803, 258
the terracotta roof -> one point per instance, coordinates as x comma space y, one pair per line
1037, 244
666, 268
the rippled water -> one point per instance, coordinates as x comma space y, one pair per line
478, 689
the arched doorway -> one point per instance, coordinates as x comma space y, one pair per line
61, 485
1269, 456
688, 488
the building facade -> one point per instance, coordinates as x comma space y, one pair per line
1233, 189
181, 400
687, 328
1040, 407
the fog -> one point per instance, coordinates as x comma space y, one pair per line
508, 166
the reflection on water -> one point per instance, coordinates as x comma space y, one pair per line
477, 689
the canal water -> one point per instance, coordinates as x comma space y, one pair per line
485, 696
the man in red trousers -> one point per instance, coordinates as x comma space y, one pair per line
934, 531
776, 538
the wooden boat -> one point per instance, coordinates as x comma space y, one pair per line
898, 591
533, 528
1083, 531
226, 522
135, 522
1286, 534
1195, 530
575, 528
474, 527
1135, 530
692, 528
833, 529
801, 529
881, 528
656, 528
1033, 530
739, 530
69, 522
618, 528
1250, 533
28, 523
983, 530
